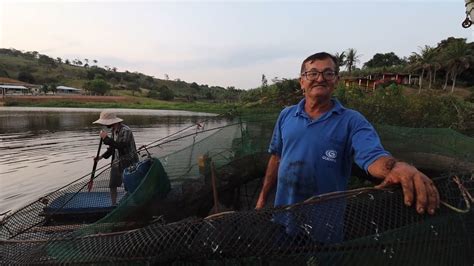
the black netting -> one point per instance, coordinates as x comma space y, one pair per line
166, 218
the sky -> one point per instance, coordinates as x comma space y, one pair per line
224, 43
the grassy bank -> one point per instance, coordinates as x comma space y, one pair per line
137, 103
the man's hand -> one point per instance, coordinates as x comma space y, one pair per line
269, 181
96, 159
413, 183
103, 134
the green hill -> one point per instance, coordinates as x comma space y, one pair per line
40, 69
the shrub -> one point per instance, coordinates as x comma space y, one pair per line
165, 93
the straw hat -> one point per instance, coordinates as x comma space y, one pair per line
107, 118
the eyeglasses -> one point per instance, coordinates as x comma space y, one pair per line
313, 75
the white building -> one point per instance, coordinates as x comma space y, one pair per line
67, 90
13, 89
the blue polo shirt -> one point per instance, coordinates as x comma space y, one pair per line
317, 155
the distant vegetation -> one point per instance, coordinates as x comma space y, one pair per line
35, 68
431, 103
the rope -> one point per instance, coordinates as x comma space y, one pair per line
465, 194
198, 124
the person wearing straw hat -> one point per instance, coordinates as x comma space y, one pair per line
122, 148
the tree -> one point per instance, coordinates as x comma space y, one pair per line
44, 88
210, 96
352, 58
152, 93
95, 72
165, 93
53, 88
4, 73
114, 81
97, 86
134, 87
458, 57
46, 60
423, 61
95, 61
288, 91
384, 60
429, 58
67, 62
77, 62
435, 66
26, 77
167, 77
264, 81
195, 86
50, 80
35, 54
341, 59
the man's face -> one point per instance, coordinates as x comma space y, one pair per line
319, 87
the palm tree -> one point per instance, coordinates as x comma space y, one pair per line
352, 58
436, 66
415, 64
458, 57
341, 58
423, 61
430, 58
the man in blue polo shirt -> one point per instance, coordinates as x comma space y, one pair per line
315, 142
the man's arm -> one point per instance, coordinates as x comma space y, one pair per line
107, 153
269, 180
124, 139
413, 182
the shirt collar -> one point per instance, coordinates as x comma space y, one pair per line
337, 107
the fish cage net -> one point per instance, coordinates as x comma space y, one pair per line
359, 227
166, 219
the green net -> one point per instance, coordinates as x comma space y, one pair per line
167, 218
440, 149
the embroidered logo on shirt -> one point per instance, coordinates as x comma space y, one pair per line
330, 155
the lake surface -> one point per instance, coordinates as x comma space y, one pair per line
42, 149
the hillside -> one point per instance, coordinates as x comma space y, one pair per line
35, 68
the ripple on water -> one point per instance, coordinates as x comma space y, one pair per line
42, 149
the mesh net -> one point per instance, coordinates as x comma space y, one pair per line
166, 219
440, 149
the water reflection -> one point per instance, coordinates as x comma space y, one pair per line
15, 120
42, 149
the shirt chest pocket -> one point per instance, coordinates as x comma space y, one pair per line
332, 152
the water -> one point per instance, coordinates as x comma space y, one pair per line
42, 149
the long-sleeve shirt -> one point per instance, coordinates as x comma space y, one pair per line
122, 148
